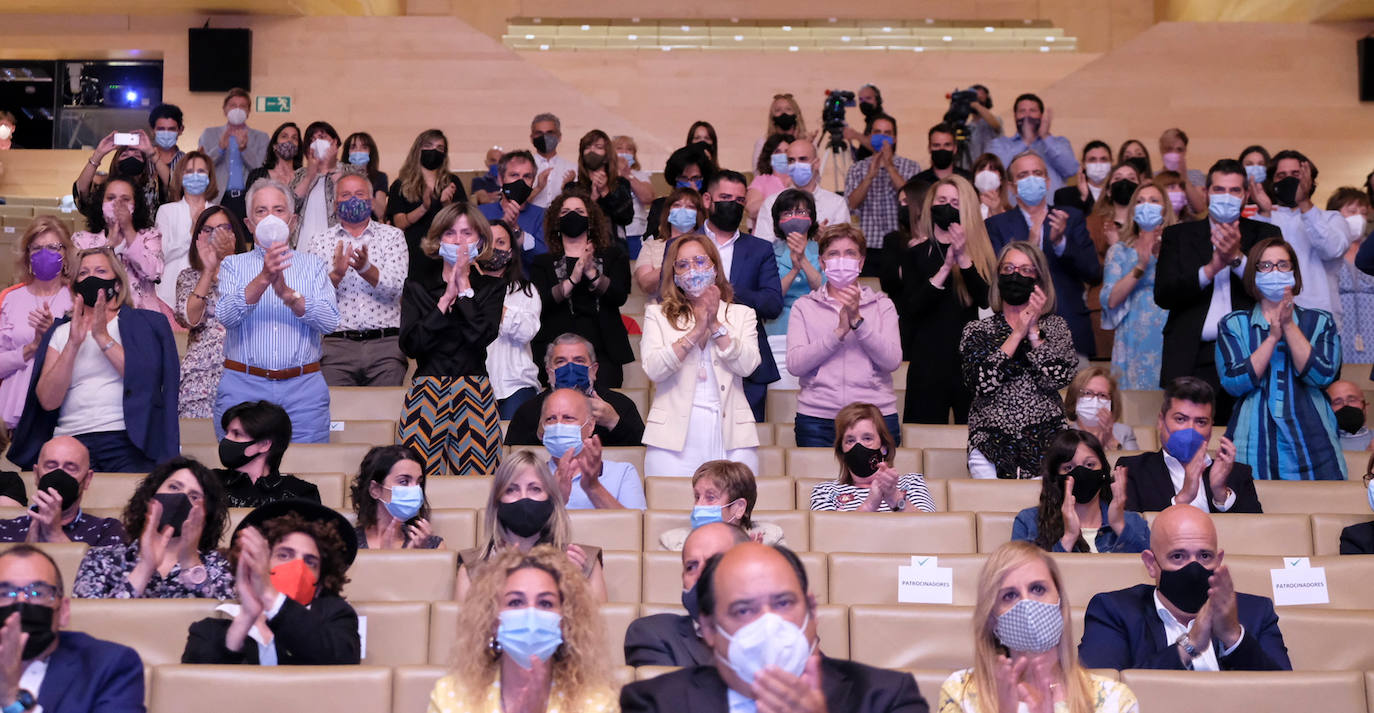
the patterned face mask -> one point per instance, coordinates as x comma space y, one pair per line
1030, 626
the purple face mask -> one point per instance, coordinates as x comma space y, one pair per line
46, 264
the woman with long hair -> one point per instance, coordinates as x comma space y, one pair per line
1133, 151
798, 255
784, 117
685, 214
1128, 289
389, 501
703, 136
994, 190
120, 221
422, 188
770, 174
1112, 209
1082, 504
192, 189
514, 375
45, 265
217, 234
283, 156
598, 173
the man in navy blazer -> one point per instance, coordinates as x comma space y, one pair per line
78, 673
1192, 618
752, 269
1062, 235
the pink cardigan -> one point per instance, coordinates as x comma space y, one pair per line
833, 372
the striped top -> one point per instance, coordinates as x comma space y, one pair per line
268, 334
842, 497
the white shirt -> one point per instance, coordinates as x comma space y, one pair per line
32, 680
314, 218
1317, 236
641, 219
267, 651
95, 398
1200, 501
831, 209
361, 304
1173, 628
174, 222
1221, 295
557, 177
726, 250
509, 364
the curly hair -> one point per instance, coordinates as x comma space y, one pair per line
598, 230
578, 665
95, 206
1049, 519
215, 503
328, 540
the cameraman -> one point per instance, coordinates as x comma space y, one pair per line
1033, 134
871, 185
944, 155
983, 127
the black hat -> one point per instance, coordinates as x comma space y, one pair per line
309, 510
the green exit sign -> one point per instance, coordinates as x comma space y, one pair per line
274, 104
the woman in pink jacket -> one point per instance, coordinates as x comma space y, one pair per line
120, 221
842, 343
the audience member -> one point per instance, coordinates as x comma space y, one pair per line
1095, 164
784, 117
127, 418
944, 282
368, 263
1255, 159
1358, 539
1134, 151
401, 519
553, 171
641, 189
514, 377
191, 185
447, 320
313, 183
361, 151
686, 167
256, 436
1093, 404
670, 639
131, 163
216, 235
526, 508
1318, 238
598, 174
993, 192
759, 617
64, 472
236, 151
1015, 362
179, 513
870, 186
864, 450
1172, 185
1173, 153
723, 491
842, 342
703, 136
1113, 207
165, 121
945, 158
1347, 401
423, 187
798, 257
770, 175
983, 127
1023, 652
44, 266
1181, 471
831, 209
121, 223
7, 128
1354, 290
1127, 297
1082, 503
1276, 384
290, 561
514, 207
698, 347
570, 363
586, 480
686, 214
276, 303
1191, 618
1198, 280
1033, 136
530, 640
283, 156
486, 187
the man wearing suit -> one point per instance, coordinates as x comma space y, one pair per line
672, 639
1198, 279
759, 620
235, 150
1062, 235
752, 269
1192, 618
1181, 471
61, 671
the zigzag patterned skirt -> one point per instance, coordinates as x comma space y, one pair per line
451, 421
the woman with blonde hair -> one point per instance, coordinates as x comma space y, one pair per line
526, 508
1112, 208
784, 117
1024, 656
1128, 289
422, 188
44, 266
697, 348
947, 270
192, 189
1092, 403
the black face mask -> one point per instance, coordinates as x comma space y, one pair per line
944, 215
432, 159
498, 261
1122, 191
1186, 588
689, 602
176, 507
868, 109
705, 147
36, 621
727, 215
525, 517
517, 190
1087, 483
1140, 164
594, 160
131, 166
941, 158
904, 217
1350, 419
90, 288
233, 454
1286, 191
572, 224
1016, 288
785, 121
544, 143
862, 461
66, 486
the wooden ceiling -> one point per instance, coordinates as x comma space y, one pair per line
294, 8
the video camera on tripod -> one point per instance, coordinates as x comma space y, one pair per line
832, 117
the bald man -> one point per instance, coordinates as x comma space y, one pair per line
673, 639
566, 429
1191, 618
759, 620
1347, 400
64, 472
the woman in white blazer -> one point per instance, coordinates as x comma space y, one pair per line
192, 189
697, 348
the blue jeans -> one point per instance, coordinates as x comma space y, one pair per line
305, 398
813, 432
507, 407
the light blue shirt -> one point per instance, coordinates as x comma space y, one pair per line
268, 334
620, 479
740, 703
1056, 150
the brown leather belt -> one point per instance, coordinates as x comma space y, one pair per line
272, 374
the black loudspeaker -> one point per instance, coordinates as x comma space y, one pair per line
1365, 50
220, 59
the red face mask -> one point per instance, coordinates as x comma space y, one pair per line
295, 580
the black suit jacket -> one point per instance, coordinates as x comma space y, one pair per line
1358, 539
1068, 197
1183, 249
1149, 487
665, 640
324, 634
524, 425
848, 686
1122, 630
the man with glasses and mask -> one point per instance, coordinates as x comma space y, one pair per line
1347, 400
1319, 237
64, 472
1191, 618
588, 482
53, 670
553, 171
516, 173
570, 363
802, 171
759, 619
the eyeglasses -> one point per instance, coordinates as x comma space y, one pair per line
684, 264
1268, 266
1095, 395
35, 248
35, 593
788, 214
208, 230
1024, 270
1340, 401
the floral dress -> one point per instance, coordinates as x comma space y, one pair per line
104, 574
204, 362
1138, 322
142, 258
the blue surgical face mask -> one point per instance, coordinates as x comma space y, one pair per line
529, 632
683, 218
1183, 444
1272, 284
195, 183
779, 163
692, 183
166, 138
491, 170
1031, 190
878, 141
359, 158
801, 173
1223, 207
473, 252
1369, 493
1256, 172
572, 376
559, 438
1149, 216
449, 252
628, 158
705, 515
405, 501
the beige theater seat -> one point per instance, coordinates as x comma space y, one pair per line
108, 490
1348, 578
371, 432
821, 463
402, 576
923, 533
772, 462
662, 574
1328, 639
411, 686
1356, 463
68, 556
665, 493
1086, 574
1313, 496
832, 625
156, 628
621, 570
457, 527
996, 495
781, 405
934, 436
458, 491
1261, 534
1248, 691
1140, 408
397, 632
360, 403
1326, 531
794, 524
921, 636
994, 529
616, 617
872, 579
197, 430
299, 458
608, 529
1147, 437
946, 463
928, 682
271, 689
634, 455
443, 623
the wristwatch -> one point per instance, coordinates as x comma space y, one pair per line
1137, 272
1187, 645
23, 701
720, 332
855, 326
193, 577
1235, 263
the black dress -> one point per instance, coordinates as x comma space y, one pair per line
585, 313
421, 265
932, 323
